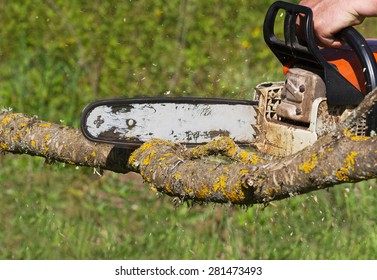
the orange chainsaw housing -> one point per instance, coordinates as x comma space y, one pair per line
347, 63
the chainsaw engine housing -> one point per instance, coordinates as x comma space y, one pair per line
279, 133
301, 89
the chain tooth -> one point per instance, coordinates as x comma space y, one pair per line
262, 92
256, 127
259, 146
259, 112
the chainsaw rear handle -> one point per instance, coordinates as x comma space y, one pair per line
302, 51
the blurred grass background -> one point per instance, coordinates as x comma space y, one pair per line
56, 56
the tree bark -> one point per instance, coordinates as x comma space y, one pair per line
219, 171
21, 134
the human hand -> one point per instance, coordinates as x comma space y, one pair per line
331, 16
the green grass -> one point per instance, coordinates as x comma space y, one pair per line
55, 58
57, 212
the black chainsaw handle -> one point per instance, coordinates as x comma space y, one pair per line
357, 42
302, 51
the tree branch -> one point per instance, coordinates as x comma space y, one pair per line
169, 169
21, 134
219, 171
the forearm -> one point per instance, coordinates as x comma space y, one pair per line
366, 8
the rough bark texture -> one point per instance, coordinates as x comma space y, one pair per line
21, 134
216, 172
173, 170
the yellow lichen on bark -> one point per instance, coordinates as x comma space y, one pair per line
168, 189
148, 146
234, 152
348, 165
243, 172
203, 192
147, 159
4, 147
234, 194
8, 118
45, 125
220, 183
227, 147
355, 137
155, 156
309, 165
17, 136
247, 157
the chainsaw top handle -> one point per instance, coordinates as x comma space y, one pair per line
298, 48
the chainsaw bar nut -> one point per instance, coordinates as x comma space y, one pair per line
131, 123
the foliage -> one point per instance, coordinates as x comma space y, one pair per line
67, 216
56, 56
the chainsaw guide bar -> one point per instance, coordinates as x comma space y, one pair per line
129, 122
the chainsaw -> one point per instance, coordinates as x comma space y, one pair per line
320, 87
